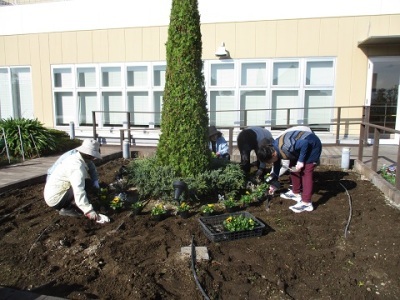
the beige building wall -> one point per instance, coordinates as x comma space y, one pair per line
317, 37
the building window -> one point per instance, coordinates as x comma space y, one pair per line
319, 73
16, 100
286, 74
267, 92
284, 104
273, 92
252, 107
111, 90
137, 76
111, 77
86, 77
254, 74
62, 78
159, 76
222, 107
223, 75
138, 104
87, 102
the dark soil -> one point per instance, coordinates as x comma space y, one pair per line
347, 248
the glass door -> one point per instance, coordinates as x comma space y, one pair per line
384, 95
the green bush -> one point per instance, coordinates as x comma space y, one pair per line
183, 142
36, 139
151, 179
63, 142
156, 181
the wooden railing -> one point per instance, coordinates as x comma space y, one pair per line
336, 123
365, 127
364, 130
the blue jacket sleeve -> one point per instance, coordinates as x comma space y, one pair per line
222, 146
92, 171
303, 146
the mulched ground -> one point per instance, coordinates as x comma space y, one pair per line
348, 247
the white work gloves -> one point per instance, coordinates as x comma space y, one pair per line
92, 215
299, 166
96, 184
99, 218
103, 219
284, 167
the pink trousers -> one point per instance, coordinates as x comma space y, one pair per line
304, 181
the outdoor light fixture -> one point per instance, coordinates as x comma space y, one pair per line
221, 51
179, 187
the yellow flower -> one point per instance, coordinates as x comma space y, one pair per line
229, 219
211, 205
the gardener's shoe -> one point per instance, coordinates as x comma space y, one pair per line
302, 206
291, 196
69, 212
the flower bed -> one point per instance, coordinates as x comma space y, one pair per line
215, 231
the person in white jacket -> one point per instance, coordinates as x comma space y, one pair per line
65, 185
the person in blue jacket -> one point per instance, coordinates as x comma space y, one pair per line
218, 144
303, 150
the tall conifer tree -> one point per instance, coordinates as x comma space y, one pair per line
184, 125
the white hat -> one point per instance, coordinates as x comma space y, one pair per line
90, 147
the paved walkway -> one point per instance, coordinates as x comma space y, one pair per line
34, 171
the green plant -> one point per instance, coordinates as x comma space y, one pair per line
388, 173
207, 208
103, 195
246, 199
229, 203
153, 180
238, 223
158, 210
36, 139
183, 207
63, 142
116, 203
184, 125
260, 190
138, 205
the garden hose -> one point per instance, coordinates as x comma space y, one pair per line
194, 270
350, 212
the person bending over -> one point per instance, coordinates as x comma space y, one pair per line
303, 150
67, 179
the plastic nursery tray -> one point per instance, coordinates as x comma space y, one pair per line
214, 229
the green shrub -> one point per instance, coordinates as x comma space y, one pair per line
151, 179
63, 142
36, 139
183, 142
156, 181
